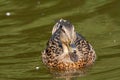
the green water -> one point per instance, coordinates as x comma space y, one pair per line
24, 33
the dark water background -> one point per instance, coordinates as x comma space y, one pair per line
25, 27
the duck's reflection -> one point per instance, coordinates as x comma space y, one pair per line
69, 74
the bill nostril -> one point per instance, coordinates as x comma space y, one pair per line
74, 51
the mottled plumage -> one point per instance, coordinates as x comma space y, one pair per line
66, 49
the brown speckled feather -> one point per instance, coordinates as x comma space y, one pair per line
54, 56
53, 50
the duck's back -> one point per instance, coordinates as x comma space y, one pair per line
85, 49
54, 57
53, 51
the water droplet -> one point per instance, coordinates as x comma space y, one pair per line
38, 2
37, 68
114, 41
8, 13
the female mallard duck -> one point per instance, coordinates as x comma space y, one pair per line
67, 49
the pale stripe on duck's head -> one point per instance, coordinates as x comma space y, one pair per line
67, 33
62, 23
67, 36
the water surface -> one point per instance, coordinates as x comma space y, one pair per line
25, 27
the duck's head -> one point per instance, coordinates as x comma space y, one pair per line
67, 35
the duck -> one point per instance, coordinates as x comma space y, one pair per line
67, 49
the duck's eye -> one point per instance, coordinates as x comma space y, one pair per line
60, 26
